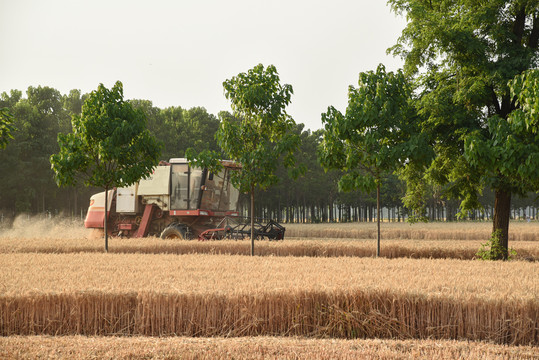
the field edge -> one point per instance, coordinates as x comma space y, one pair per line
81, 347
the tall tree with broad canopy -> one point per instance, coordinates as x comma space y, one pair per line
109, 146
259, 135
264, 133
477, 99
374, 137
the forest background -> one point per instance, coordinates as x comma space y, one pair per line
27, 184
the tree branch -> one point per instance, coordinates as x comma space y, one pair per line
495, 100
519, 24
533, 40
506, 106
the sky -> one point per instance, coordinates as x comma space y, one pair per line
178, 53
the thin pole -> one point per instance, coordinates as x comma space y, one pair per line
378, 218
105, 224
252, 221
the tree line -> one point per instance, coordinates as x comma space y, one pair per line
459, 119
27, 184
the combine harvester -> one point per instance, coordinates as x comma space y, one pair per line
178, 202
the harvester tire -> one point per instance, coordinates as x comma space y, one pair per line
174, 231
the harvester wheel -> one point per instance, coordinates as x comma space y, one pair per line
174, 231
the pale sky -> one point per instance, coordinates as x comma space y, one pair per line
178, 53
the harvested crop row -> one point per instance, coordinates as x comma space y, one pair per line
66, 228
518, 231
80, 347
417, 249
239, 296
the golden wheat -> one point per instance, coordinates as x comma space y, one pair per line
346, 314
80, 347
24, 274
66, 228
518, 230
458, 240
436, 249
203, 295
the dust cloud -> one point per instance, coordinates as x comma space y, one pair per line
58, 227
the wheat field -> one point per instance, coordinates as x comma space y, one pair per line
252, 348
220, 295
66, 228
302, 299
390, 248
33, 273
464, 230
433, 240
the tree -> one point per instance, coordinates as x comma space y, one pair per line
6, 116
46, 114
25, 174
264, 132
200, 130
291, 195
109, 147
373, 137
469, 59
180, 129
166, 125
6, 127
260, 133
72, 105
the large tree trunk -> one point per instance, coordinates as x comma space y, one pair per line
502, 212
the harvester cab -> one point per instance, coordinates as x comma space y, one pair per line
178, 201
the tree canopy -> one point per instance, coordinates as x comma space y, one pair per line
110, 145
6, 127
374, 137
469, 58
27, 181
260, 134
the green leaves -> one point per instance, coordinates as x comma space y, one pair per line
511, 147
477, 100
525, 89
110, 145
375, 134
260, 133
494, 249
258, 94
6, 127
206, 159
477, 117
